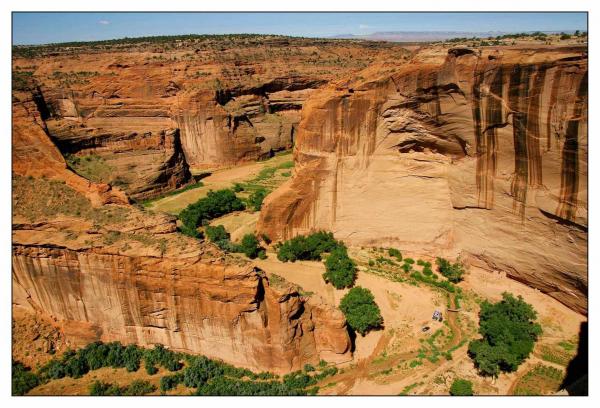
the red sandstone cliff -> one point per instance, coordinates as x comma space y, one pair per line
456, 153
105, 270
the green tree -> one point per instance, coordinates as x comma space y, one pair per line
250, 246
23, 380
453, 272
340, 269
509, 332
308, 248
215, 204
216, 233
361, 311
256, 198
461, 387
395, 253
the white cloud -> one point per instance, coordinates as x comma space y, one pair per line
104, 22
363, 26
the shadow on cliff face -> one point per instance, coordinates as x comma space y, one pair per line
352, 335
576, 380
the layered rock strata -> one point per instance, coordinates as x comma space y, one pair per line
482, 155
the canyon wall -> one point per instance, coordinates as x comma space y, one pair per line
147, 112
106, 270
455, 153
224, 312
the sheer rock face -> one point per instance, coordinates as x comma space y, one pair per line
483, 156
179, 298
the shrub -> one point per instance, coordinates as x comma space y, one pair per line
168, 382
139, 387
461, 387
361, 311
256, 199
238, 188
100, 388
215, 204
23, 380
409, 261
262, 254
308, 247
150, 369
216, 233
395, 253
509, 331
165, 357
340, 269
453, 272
250, 246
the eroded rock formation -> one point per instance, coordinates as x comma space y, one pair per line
225, 312
460, 153
106, 270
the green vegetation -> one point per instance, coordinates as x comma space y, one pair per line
340, 269
59, 199
395, 253
409, 388
216, 234
92, 167
461, 387
361, 311
509, 333
250, 246
432, 279
198, 184
453, 272
206, 376
136, 388
308, 247
23, 379
256, 198
540, 380
215, 204
22, 81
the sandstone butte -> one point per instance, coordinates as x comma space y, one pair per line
452, 152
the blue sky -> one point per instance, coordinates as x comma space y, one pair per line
40, 28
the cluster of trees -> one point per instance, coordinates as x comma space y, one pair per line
211, 377
97, 355
215, 204
452, 271
249, 245
509, 332
361, 311
461, 387
23, 379
340, 270
307, 248
136, 388
208, 377
431, 278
